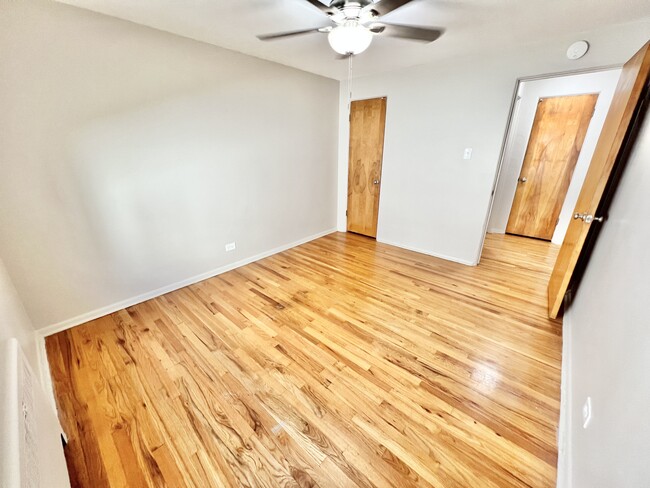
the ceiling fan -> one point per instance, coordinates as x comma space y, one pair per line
353, 23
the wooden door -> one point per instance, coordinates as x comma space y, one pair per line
367, 124
555, 142
607, 157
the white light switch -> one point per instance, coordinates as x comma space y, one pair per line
468, 153
230, 247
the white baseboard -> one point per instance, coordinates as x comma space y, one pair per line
95, 314
496, 231
428, 253
564, 429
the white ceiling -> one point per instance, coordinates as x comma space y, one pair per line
471, 26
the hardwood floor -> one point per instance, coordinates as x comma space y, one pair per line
342, 362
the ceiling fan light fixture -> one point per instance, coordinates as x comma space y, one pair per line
350, 38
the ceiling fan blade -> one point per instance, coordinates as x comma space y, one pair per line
385, 6
323, 8
281, 35
407, 31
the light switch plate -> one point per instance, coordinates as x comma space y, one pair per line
230, 247
586, 413
468, 153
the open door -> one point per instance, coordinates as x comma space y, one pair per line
634, 79
367, 124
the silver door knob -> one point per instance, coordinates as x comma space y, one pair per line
375, 182
587, 218
523, 179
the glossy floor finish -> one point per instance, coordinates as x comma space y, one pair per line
342, 362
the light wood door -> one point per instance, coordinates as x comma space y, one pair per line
555, 142
367, 124
634, 78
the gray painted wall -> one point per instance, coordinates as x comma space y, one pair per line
130, 157
609, 335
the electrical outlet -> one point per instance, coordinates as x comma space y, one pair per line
230, 247
468, 153
586, 413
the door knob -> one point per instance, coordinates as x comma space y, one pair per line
523, 179
587, 218
375, 182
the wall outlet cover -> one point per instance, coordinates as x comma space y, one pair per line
230, 247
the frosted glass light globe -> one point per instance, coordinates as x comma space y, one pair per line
350, 38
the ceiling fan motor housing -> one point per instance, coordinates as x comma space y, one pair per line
360, 3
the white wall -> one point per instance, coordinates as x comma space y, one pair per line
130, 157
609, 355
604, 84
14, 322
431, 199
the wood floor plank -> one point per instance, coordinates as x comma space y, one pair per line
340, 363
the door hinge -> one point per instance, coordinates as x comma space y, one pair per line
346, 213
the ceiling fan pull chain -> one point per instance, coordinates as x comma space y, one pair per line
349, 84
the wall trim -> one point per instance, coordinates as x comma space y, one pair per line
564, 440
580, 71
429, 253
129, 302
